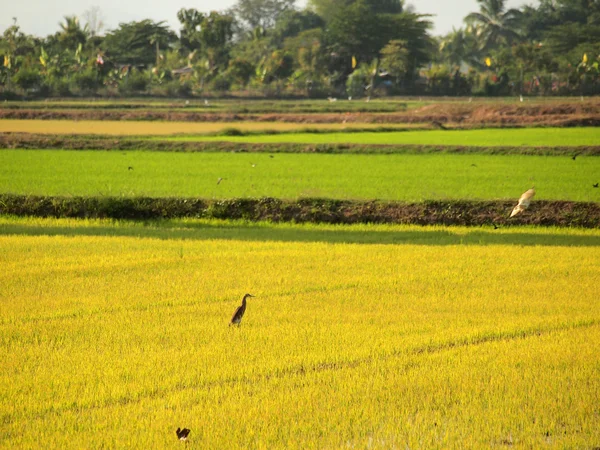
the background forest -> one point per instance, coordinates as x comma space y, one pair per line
335, 48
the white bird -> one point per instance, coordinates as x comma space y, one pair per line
524, 202
520, 98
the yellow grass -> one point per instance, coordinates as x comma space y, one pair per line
115, 334
164, 128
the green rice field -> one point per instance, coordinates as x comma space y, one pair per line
495, 137
390, 177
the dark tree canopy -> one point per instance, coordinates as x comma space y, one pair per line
135, 42
261, 13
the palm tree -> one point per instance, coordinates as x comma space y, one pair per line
71, 34
461, 46
497, 24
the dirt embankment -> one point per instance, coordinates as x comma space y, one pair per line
464, 115
467, 213
61, 142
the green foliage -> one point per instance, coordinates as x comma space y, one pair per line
261, 13
135, 82
27, 78
395, 58
240, 70
87, 80
71, 34
499, 26
357, 81
220, 82
136, 43
269, 46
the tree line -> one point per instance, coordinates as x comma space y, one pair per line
354, 48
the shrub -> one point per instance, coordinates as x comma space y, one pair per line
356, 82
134, 82
86, 81
220, 83
27, 78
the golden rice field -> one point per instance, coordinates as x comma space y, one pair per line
113, 334
153, 128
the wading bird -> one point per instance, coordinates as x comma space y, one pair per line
182, 434
239, 313
524, 202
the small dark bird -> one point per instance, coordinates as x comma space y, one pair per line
130, 168
239, 313
439, 125
183, 434
495, 226
574, 157
595, 185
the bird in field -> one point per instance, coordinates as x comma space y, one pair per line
239, 313
574, 157
495, 226
130, 168
524, 202
183, 434
595, 185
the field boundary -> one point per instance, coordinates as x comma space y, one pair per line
30, 141
561, 114
311, 210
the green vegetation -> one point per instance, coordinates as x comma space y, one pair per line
115, 333
517, 137
273, 49
237, 106
389, 177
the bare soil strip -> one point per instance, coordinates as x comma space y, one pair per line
464, 114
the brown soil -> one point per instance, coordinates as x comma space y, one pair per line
465, 115
467, 213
